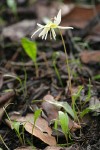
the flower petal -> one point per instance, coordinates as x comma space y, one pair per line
53, 33
50, 35
36, 32
40, 25
44, 33
58, 18
60, 27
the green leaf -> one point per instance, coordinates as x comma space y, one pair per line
64, 120
63, 105
16, 126
77, 95
37, 114
89, 109
30, 48
15, 77
84, 112
96, 77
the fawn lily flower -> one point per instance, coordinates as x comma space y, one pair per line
49, 27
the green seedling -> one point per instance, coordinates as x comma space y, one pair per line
96, 77
36, 115
74, 98
31, 50
88, 95
31, 144
77, 40
22, 84
67, 108
15, 125
89, 109
64, 121
15, 77
54, 58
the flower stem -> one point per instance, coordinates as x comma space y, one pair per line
67, 63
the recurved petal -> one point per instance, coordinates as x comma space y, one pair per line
40, 25
60, 27
36, 32
58, 18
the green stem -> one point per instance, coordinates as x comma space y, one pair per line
67, 63
36, 69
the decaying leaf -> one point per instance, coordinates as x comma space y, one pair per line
94, 105
24, 148
88, 57
40, 130
1, 81
58, 148
50, 99
19, 30
4, 98
50, 109
52, 112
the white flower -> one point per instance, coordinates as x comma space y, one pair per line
50, 26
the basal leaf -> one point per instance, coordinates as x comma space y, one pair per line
30, 48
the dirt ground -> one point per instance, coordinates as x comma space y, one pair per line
24, 86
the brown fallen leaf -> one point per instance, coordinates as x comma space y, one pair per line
41, 128
1, 81
4, 98
52, 112
50, 109
81, 20
88, 57
24, 148
58, 148
44, 10
19, 30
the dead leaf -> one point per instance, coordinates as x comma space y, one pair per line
1, 81
4, 98
52, 112
45, 10
19, 30
24, 148
50, 109
41, 129
74, 19
58, 148
94, 101
88, 57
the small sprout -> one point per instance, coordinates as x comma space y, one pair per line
50, 26
64, 121
31, 50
